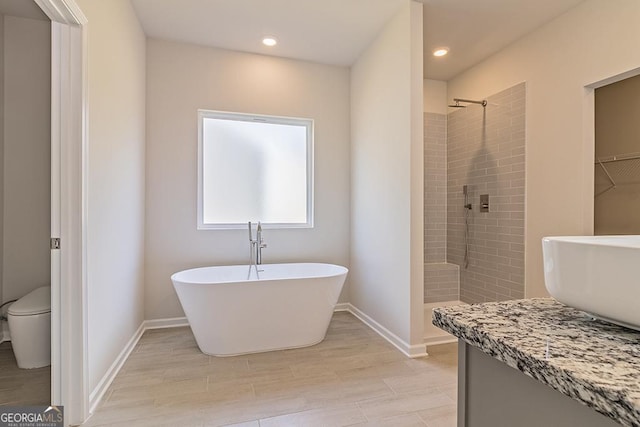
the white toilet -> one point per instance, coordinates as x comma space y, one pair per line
30, 328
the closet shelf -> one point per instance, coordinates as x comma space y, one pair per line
618, 158
621, 167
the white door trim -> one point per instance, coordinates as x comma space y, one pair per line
69, 373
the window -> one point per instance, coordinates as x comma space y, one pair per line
254, 168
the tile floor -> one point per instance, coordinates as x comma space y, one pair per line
354, 377
22, 386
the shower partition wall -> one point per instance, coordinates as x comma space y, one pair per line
482, 147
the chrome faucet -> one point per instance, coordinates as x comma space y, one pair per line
260, 244
255, 247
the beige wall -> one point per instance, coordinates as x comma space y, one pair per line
384, 165
617, 134
182, 78
591, 42
116, 167
27, 155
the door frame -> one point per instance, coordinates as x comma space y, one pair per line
69, 362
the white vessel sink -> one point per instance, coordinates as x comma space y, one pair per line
596, 274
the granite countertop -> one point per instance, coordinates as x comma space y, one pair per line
594, 362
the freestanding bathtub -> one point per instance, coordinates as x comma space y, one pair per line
232, 312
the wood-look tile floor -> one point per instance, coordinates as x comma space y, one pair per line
22, 386
353, 378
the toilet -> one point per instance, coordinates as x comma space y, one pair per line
30, 328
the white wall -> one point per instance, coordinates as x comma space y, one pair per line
435, 96
182, 78
116, 167
595, 40
386, 175
27, 155
416, 186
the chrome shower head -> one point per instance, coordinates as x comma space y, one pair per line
468, 101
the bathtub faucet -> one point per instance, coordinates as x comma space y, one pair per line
255, 247
260, 244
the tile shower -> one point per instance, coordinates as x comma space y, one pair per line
484, 149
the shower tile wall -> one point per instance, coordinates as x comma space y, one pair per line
440, 279
486, 151
441, 282
435, 188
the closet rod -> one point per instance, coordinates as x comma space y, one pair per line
613, 159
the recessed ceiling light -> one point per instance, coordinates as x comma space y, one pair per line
269, 41
441, 51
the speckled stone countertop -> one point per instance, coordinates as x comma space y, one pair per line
588, 360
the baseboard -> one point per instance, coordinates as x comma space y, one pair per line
173, 322
342, 306
98, 393
443, 339
412, 351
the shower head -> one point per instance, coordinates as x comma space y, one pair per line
468, 101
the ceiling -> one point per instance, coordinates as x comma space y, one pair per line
326, 31
475, 29
337, 31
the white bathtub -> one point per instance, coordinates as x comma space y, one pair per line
287, 306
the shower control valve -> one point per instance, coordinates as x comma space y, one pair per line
484, 203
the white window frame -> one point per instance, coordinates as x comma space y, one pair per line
215, 114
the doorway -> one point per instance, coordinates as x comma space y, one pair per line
593, 171
25, 175
68, 209
617, 158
